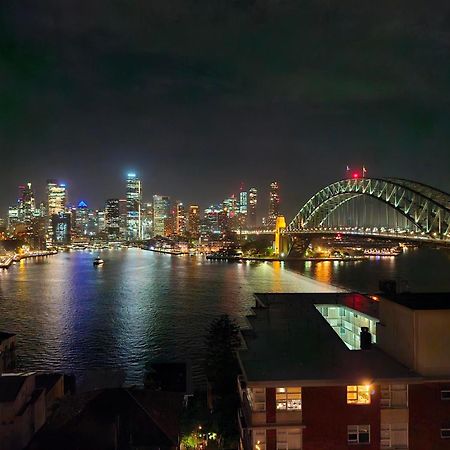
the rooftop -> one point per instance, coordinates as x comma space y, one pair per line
291, 340
422, 300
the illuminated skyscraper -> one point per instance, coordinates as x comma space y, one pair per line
274, 204
112, 218
56, 205
26, 203
180, 219
81, 219
161, 214
193, 224
243, 208
134, 199
60, 228
252, 205
56, 197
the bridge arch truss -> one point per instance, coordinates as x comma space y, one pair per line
425, 207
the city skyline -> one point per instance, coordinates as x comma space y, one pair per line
230, 102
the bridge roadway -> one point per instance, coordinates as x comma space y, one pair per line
402, 235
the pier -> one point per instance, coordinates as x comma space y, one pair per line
7, 260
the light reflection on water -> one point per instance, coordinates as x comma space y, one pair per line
140, 306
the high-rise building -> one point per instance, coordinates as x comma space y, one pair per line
112, 218
161, 214
56, 197
180, 219
13, 217
274, 204
60, 228
26, 204
243, 208
56, 204
193, 223
123, 217
252, 205
81, 219
134, 199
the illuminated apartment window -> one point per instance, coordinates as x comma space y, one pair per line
289, 398
358, 395
358, 434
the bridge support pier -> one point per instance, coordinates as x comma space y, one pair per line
281, 243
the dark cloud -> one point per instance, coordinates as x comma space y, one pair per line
197, 95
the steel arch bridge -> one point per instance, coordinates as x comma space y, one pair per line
424, 206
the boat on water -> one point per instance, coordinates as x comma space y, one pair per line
98, 261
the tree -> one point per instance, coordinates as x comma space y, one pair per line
222, 342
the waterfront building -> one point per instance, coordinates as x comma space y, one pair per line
161, 215
252, 206
61, 228
134, 199
112, 219
123, 217
214, 220
339, 371
274, 203
193, 223
7, 352
25, 402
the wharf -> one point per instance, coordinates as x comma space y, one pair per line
6, 261
272, 259
168, 252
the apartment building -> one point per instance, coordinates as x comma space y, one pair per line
346, 371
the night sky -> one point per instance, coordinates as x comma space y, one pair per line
199, 95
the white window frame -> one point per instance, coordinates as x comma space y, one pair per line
356, 391
446, 396
357, 430
257, 399
261, 439
386, 442
447, 431
386, 391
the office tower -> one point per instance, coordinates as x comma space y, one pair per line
112, 218
161, 214
274, 204
193, 223
231, 213
252, 205
134, 199
56, 204
147, 220
243, 208
26, 204
60, 228
13, 217
56, 197
81, 219
180, 219
123, 217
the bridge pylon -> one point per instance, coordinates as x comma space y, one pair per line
280, 245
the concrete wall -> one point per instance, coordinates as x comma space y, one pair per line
395, 331
433, 342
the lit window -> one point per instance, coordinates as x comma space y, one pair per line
289, 398
445, 394
358, 434
445, 433
358, 395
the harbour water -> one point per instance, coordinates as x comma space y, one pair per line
142, 306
